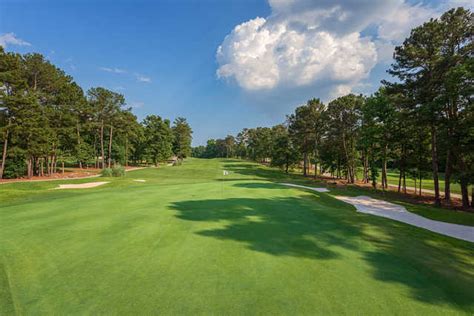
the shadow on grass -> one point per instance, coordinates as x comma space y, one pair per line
436, 269
282, 226
255, 171
260, 185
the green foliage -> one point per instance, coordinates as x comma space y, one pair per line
182, 137
107, 172
198, 152
158, 138
45, 114
16, 168
118, 171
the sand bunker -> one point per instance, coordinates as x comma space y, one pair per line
139, 180
304, 187
81, 185
368, 205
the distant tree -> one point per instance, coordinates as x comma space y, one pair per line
259, 143
12, 92
344, 117
211, 149
198, 151
284, 154
379, 123
306, 128
229, 143
106, 106
158, 138
182, 133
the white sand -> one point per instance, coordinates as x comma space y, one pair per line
81, 185
304, 187
139, 180
368, 205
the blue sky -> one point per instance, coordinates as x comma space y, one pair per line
164, 56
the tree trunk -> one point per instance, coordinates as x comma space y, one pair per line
464, 183
126, 152
384, 168
305, 161
110, 146
29, 168
102, 143
400, 168
78, 144
447, 177
472, 196
365, 160
62, 167
434, 163
350, 176
4, 154
464, 192
404, 182
37, 165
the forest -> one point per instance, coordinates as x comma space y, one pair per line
420, 123
47, 120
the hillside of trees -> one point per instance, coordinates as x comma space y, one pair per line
46, 119
421, 122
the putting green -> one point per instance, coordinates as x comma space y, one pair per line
190, 240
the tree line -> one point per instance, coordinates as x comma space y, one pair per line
421, 123
46, 119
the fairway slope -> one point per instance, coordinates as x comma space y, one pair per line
193, 241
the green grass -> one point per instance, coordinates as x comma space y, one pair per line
427, 184
192, 241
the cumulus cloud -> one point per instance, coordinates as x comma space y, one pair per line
396, 26
262, 55
306, 42
11, 39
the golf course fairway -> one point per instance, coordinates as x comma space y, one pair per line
190, 240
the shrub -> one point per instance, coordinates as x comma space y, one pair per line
15, 168
118, 171
107, 172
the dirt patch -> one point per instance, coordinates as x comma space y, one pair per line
81, 185
69, 173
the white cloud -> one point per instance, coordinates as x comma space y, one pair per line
142, 78
396, 26
113, 70
259, 55
11, 39
340, 90
306, 42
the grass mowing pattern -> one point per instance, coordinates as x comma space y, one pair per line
192, 241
